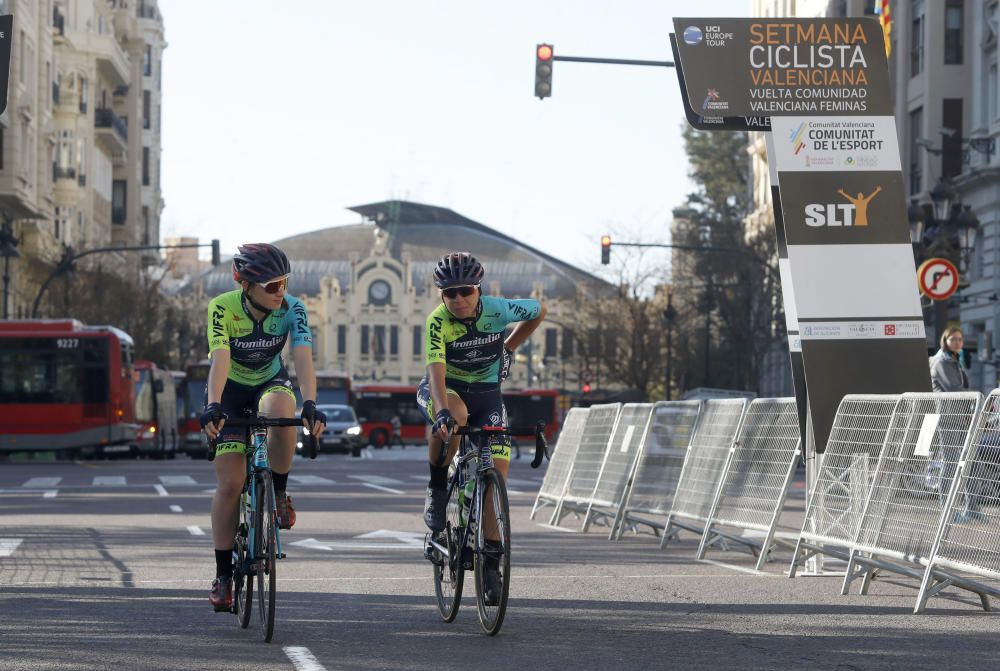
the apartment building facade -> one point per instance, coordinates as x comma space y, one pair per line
80, 139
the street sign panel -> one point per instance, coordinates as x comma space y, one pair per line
938, 279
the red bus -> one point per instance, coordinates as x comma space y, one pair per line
376, 404
64, 385
193, 393
155, 411
527, 407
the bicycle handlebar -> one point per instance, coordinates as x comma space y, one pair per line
263, 423
541, 447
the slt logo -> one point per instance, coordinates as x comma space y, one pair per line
852, 213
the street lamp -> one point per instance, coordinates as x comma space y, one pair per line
8, 250
669, 317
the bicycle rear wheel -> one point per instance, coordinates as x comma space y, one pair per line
265, 557
448, 572
494, 490
242, 579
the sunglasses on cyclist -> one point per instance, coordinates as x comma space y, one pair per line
454, 292
275, 286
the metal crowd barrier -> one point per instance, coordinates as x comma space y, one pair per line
650, 490
833, 513
902, 515
561, 460
704, 466
623, 449
589, 460
756, 482
967, 551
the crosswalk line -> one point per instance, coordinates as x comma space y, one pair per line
109, 481
311, 480
196, 531
42, 482
177, 480
8, 545
376, 479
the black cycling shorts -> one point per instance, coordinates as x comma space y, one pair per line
240, 400
485, 408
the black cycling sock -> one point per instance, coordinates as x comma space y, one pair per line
280, 481
224, 563
439, 476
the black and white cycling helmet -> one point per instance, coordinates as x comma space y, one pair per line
260, 263
458, 269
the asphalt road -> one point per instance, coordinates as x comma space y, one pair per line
107, 565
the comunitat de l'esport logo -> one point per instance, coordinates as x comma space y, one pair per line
852, 213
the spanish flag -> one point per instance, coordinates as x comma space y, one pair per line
885, 20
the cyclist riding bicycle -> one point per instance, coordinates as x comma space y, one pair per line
247, 329
467, 359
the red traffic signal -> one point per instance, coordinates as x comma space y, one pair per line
605, 249
543, 70
586, 388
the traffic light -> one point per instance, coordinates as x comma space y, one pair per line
605, 249
586, 388
215, 253
543, 70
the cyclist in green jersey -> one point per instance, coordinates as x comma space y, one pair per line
247, 329
467, 358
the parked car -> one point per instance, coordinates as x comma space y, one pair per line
343, 432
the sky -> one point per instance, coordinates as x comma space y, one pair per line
275, 121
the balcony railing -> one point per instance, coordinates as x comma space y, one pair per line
59, 172
106, 118
117, 215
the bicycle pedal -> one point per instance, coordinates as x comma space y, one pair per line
280, 556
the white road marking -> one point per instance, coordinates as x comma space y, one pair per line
42, 483
8, 545
384, 489
161, 490
50, 494
408, 537
313, 544
555, 528
376, 479
176, 509
311, 480
302, 659
109, 481
177, 480
196, 531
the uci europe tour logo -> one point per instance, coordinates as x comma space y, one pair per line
852, 213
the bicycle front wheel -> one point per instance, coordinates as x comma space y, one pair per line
266, 555
242, 578
493, 556
448, 571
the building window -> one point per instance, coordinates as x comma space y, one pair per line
1, 147
118, 201
147, 61
365, 339
379, 344
953, 32
991, 92
951, 145
145, 166
551, 342
342, 339
145, 225
567, 343
917, 38
147, 105
418, 345
916, 128
394, 340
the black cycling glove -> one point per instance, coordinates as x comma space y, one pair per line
444, 419
311, 415
213, 413
505, 363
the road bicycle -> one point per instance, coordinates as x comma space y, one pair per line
257, 545
476, 490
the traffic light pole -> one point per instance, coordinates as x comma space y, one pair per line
613, 61
66, 262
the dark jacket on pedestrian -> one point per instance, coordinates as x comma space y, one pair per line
947, 373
